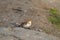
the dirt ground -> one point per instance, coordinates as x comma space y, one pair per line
17, 11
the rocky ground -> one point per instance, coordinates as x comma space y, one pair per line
24, 34
17, 11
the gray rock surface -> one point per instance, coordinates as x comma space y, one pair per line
24, 34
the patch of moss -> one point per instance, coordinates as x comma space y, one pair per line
54, 17
53, 11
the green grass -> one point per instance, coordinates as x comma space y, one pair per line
54, 17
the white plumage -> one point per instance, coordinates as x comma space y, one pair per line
27, 24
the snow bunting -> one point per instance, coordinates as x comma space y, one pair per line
25, 24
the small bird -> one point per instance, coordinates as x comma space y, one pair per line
25, 24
